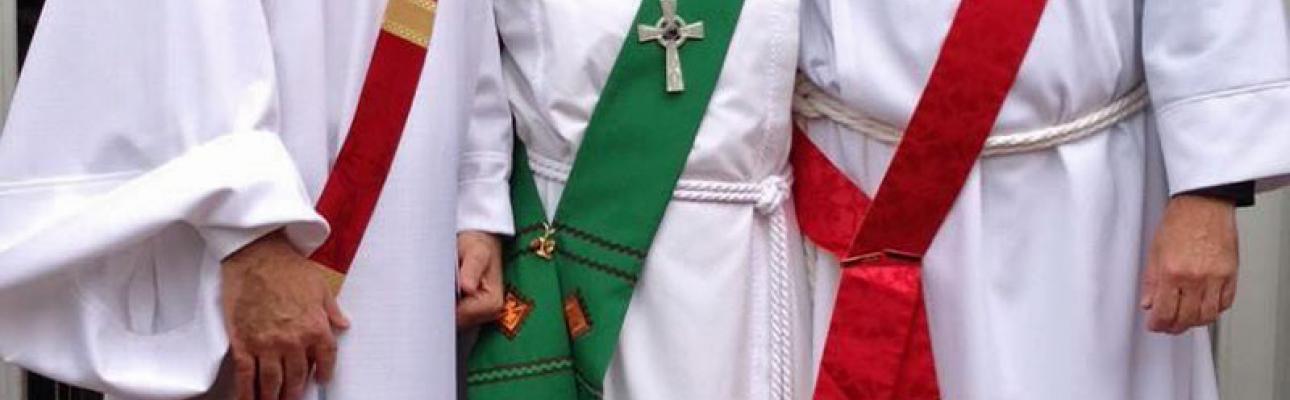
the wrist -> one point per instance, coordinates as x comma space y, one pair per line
1200, 201
272, 244
1240, 194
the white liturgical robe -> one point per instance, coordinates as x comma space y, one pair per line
1033, 281
721, 309
149, 139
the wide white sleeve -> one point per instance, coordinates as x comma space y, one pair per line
484, 202
140, 149
1219, 75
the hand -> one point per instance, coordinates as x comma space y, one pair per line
479, 278
1191, 268
279, 312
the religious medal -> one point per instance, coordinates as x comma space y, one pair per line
544, 246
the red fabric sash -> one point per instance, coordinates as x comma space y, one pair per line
354, 186
879, 345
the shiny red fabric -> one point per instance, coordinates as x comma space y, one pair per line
883, 350
878, 346
976, 69
879, 343
354, 185
829, 205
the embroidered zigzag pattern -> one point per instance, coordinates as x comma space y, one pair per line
602, 242
599, 266
520, 371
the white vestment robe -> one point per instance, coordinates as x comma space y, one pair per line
148, 140
721, 310
1033, 281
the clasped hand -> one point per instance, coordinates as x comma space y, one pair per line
1190, 277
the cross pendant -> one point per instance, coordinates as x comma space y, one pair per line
671, 32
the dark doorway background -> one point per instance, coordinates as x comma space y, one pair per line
38, 387
28, 14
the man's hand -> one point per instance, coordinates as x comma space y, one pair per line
280, 314
1191, 268
479, 278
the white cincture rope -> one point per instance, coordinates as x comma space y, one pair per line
767, 197
812, 102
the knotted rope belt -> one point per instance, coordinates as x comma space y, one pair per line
812, 102
767, 197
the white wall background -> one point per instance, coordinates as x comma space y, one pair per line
8, 53
11, 387
10, 378
1254, 337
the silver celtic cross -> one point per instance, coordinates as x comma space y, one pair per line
671, 32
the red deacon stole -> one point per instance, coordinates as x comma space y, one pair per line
879, 346
354, 185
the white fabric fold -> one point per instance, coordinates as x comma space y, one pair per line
83, 329
1236, 135
484, 196
148, 140
1220, 79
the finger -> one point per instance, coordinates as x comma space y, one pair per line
243, 374
335, 316
468, 311
1149, 285
1188, 309
295, 372
473, 266
475, 310
1150, 280
270, 379
1164, 307
324, 355
1211, 302
1228, 297
493, 276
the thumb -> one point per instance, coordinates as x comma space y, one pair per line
471, 271
1150, 280
334, 314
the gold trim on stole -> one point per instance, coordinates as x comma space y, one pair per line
334, 279
411, 20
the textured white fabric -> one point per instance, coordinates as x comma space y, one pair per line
700, 322
1033, 280
148, 140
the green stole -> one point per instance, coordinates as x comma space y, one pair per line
564, 313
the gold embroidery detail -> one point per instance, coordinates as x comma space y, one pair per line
544, 246
411, 20
424, 4
515, 310
333, 278
575, 316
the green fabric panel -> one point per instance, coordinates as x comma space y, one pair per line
501, 367
631, 157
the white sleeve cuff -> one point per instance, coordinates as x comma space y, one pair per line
255, 189
229, 190
1231, 136
485, 206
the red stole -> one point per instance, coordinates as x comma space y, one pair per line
878, 345
358, 176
